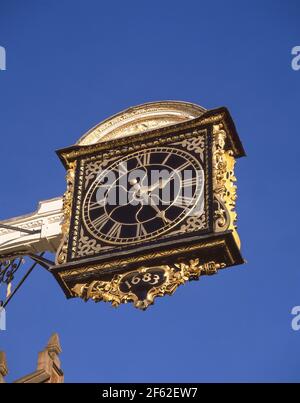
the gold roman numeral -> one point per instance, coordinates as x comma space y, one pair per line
184, 166
100, 221
144, 159
182, 201
121, 169
115, 230
96, 205
166, 158
141, 230
189, 182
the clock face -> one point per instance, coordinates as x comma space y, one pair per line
143, 195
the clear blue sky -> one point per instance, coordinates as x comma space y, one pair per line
70, 64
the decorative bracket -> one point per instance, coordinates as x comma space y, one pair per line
143, 285
9, 266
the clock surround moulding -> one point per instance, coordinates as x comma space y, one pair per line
144, 270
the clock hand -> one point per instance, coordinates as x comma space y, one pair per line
144, 196
159, 184
129, 200
164, 182
160, 213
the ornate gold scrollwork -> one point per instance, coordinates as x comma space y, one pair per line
169, 279
61, 255
223, 183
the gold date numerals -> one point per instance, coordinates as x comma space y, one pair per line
147, 278
140, 282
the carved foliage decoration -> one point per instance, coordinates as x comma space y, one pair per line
67, 208
223, 182
87, 246
196, 144
143, 285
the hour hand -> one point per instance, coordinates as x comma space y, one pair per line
161, 183
162, 215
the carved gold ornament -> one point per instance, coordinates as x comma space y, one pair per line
67, 208
165, 283
223, 183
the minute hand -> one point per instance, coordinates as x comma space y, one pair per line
162, 182
147, 198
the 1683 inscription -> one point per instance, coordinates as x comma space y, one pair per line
141, 282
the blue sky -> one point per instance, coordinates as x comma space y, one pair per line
70, 64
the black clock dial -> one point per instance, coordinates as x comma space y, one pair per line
143, 195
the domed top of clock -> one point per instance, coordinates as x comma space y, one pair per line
140, 118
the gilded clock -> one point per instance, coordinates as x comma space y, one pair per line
143, 195
147, 212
